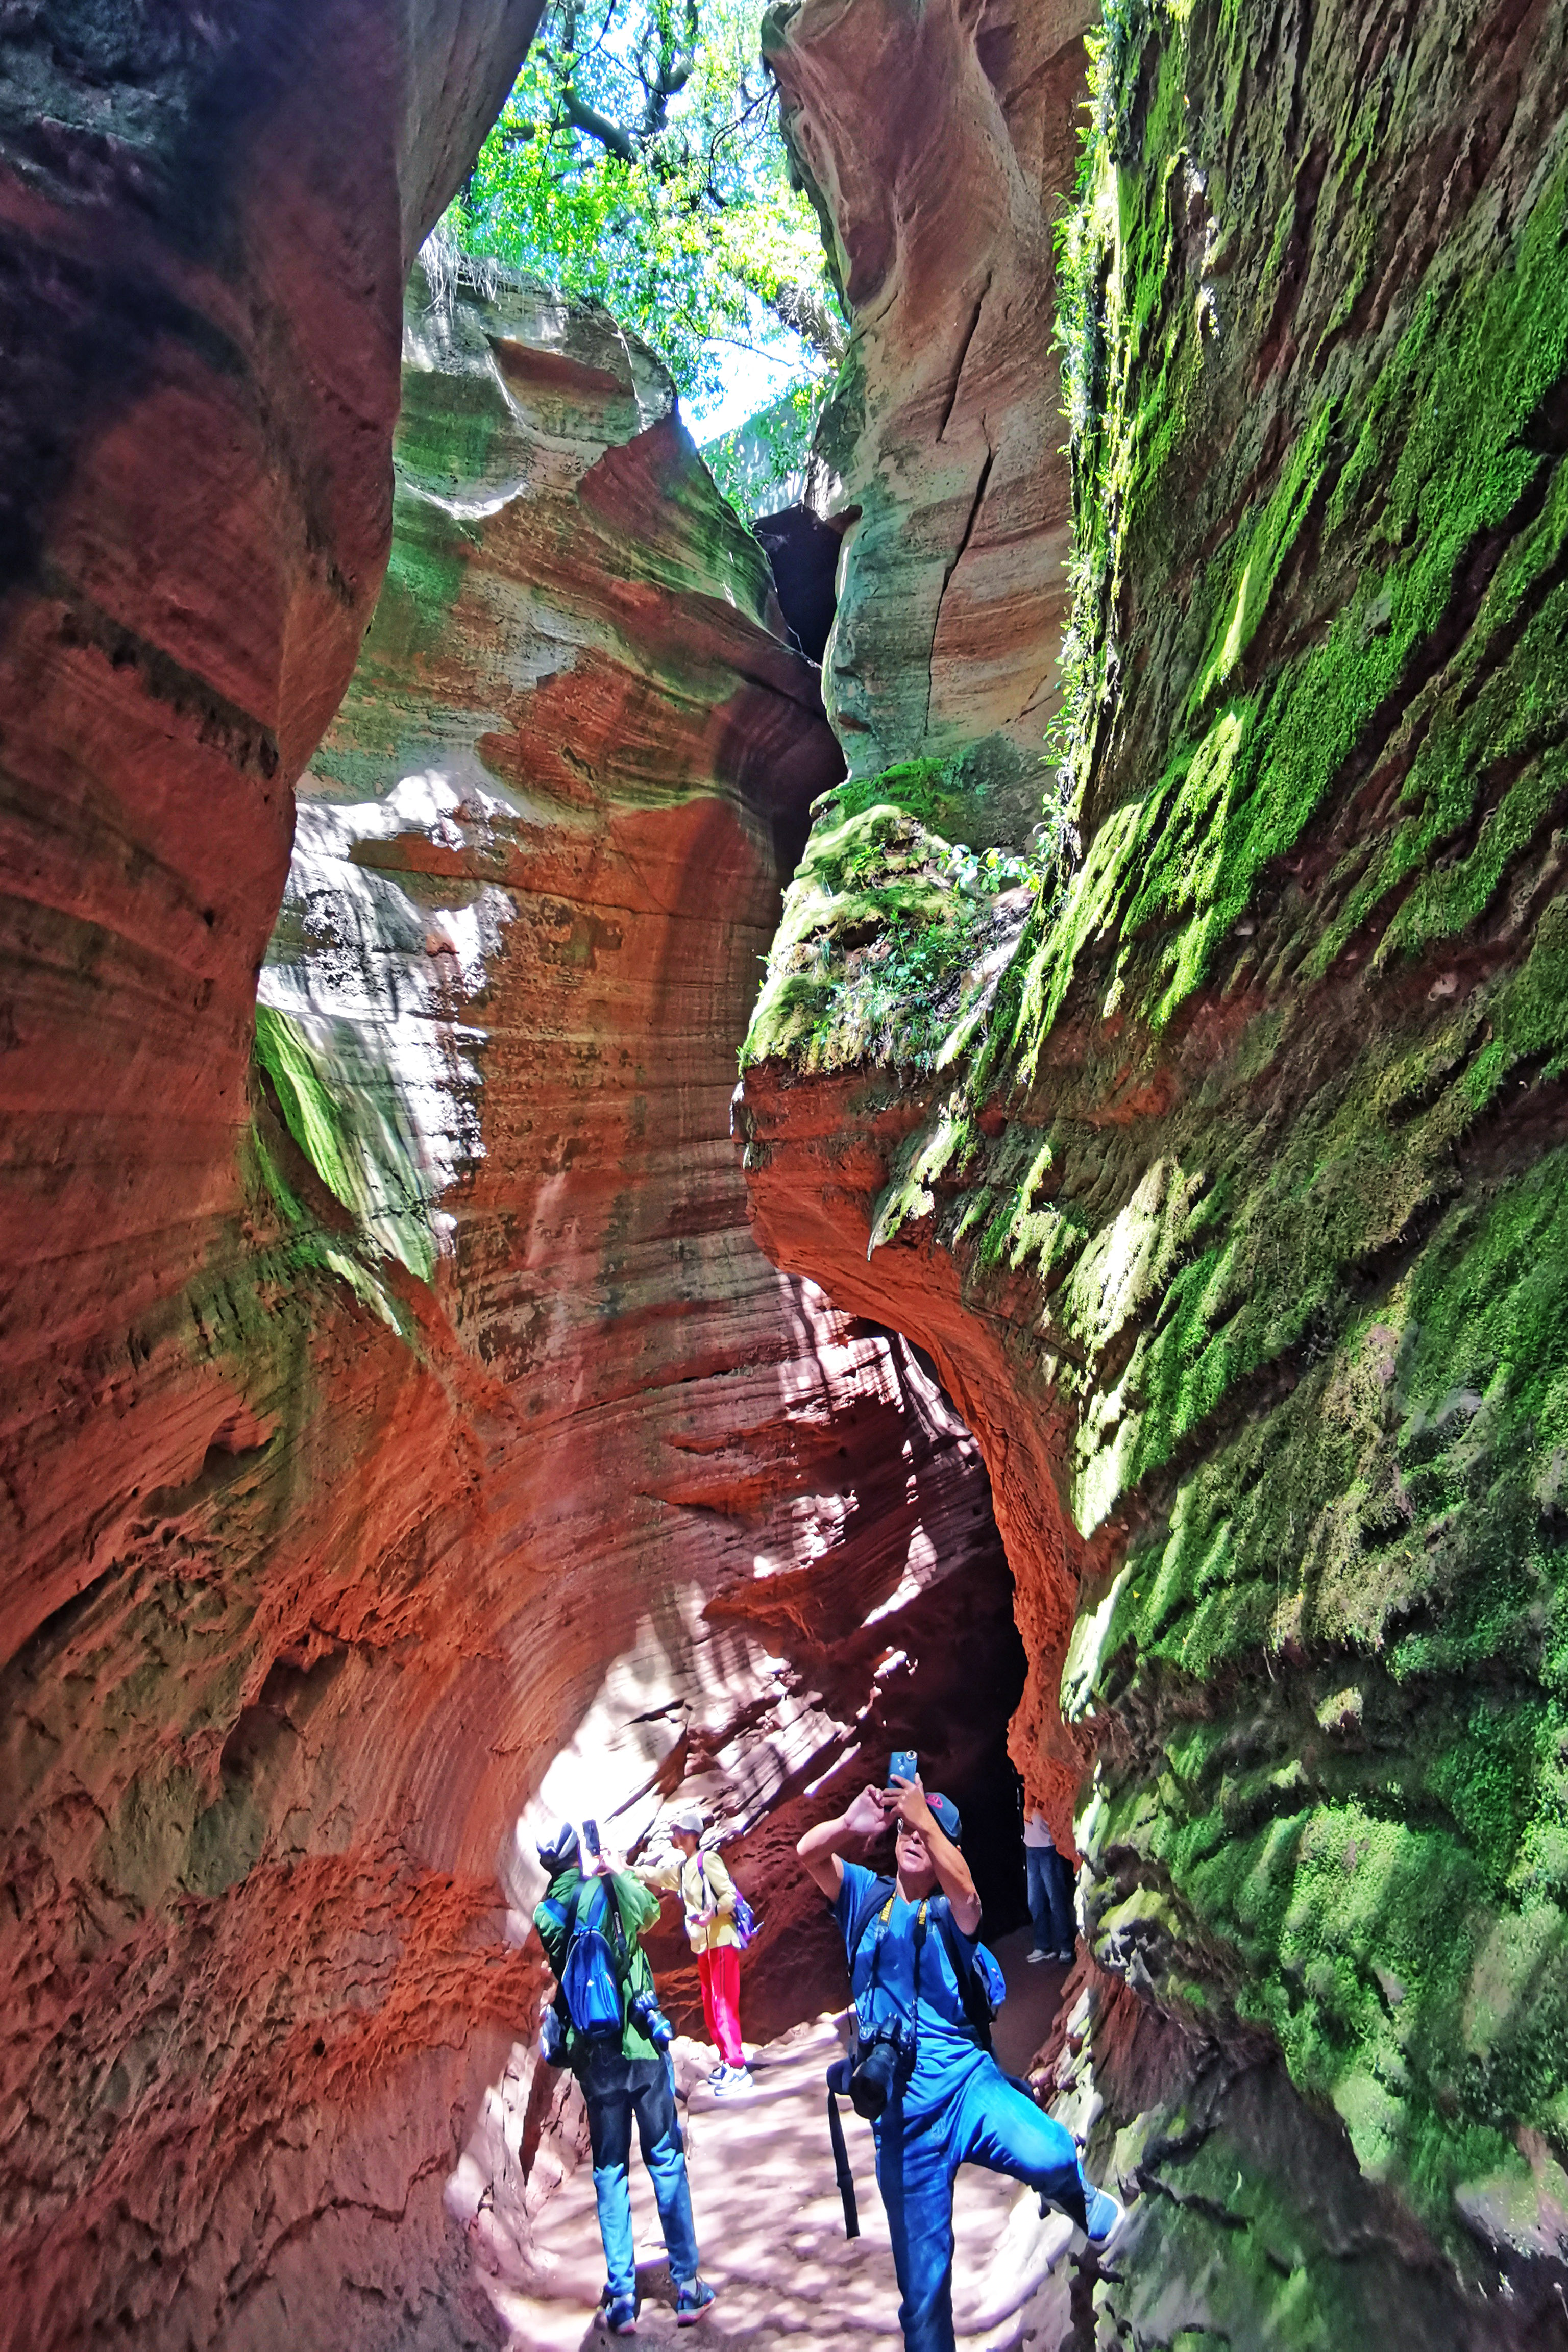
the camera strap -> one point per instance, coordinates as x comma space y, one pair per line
837, 2083
883, 1916
915, 1995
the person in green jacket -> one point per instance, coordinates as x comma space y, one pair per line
621, 2078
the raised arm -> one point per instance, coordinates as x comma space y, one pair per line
661, 1872
908, 1800
819, 1848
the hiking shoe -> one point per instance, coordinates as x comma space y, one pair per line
1104, 2216
691, 2301
621, 2316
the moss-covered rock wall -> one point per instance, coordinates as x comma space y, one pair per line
1239, 1181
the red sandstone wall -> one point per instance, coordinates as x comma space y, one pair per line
941, 448
387, 1494
940, 140
208, 227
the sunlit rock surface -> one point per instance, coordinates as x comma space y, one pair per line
1229, 1206
485, 1436
938, 141
769, 2220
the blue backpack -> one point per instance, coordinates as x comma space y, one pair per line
591, 1977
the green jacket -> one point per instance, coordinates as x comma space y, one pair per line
638, 1909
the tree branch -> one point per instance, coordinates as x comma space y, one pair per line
677, 61
809, 314
594, 125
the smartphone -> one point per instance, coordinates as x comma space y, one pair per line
591, 1840
902, 1765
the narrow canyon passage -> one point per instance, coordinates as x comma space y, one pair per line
1112, 1337
534, 1484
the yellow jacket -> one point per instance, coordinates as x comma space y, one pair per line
707, 1891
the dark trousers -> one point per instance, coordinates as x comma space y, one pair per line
1051, 1900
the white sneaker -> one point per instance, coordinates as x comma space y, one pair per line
1038, 1955
734, 2081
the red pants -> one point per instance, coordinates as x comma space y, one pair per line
720, 1971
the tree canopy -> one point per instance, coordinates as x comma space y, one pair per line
638, 160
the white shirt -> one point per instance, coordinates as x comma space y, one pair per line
1036, 1832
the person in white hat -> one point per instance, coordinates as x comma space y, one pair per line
707, 1891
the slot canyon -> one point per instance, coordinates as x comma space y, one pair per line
643, 1157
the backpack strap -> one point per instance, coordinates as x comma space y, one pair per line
614, 1925
976, 2009
702, 1878
886, 1888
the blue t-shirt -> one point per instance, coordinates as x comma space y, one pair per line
941, 2029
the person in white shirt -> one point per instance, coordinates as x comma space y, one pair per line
707, 1891
1051, 1900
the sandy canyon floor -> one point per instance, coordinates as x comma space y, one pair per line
772, 2227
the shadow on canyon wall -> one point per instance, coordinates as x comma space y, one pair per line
405, 1414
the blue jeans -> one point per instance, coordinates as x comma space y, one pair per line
1050, 1905
614, 2090
953, 2112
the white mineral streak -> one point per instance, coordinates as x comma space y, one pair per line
377, 984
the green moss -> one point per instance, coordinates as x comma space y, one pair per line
1279, 1247
1450, 468
358, 1134
919, 787
308, 1104
1384, 1846
1251, 563
885, 927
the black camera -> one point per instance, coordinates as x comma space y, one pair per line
879, 2065
647, 2013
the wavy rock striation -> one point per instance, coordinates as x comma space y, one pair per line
937, 455
208, 230
483, 1439
1218, 1167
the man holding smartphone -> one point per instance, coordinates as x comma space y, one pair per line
949, 2102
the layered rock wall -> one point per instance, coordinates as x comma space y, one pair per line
208, 227
938, 457
522, 1479
1226, 1198
207, 232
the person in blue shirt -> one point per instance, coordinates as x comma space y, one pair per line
950, 2103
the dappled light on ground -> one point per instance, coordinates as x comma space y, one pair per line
771, 2231
769, 2219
